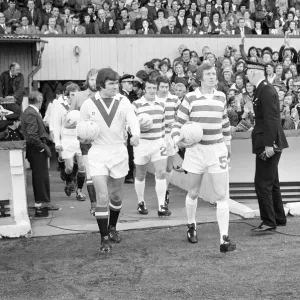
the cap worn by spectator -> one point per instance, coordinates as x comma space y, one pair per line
138, 80
126, 78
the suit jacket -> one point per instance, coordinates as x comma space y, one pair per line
18, 86
142, 31
166, 30
69, 29
268, 129
30, 30
101, 27
36, 19
78, 98
178, 25
33, 129
247, 30
8, 14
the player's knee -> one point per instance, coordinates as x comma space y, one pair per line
220, 194
81, 166
160, 174
193, 194
102, 198
140, 176
68, 169
116, 196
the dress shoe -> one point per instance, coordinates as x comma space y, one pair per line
49, 206
41, 212
263, 228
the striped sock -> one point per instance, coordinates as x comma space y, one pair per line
114, 211
101, 215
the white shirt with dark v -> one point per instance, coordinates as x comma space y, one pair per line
112, 117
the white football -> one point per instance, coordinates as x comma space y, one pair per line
191, 133
146, 122
71, 119
87, 131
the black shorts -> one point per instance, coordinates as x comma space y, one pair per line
85, 148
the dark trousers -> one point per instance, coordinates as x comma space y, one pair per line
40, 174
267, 189
130, 158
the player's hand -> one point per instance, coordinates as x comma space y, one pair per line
269, 151
181, 144
58, 148
134, 140
229, 151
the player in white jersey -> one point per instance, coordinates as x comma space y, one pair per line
152, 148
76, 101
171, 103
207, 107
108, 156
67, 144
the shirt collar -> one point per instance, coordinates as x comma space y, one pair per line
35, 108
144, 101
117, 97
199, 94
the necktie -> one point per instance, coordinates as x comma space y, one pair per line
74, 30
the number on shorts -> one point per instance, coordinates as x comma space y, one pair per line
163, 151
223, 162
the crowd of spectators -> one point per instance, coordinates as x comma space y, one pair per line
189, 17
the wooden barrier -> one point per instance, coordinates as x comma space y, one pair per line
127, 54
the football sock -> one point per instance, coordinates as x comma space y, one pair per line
80, 179
75, 169
191, 208
168, 178
223, 217
91, 190
69, 177
114, 211
160, 188
101, 215
139, 189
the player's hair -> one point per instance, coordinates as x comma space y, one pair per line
162, 79
204, 67
90, 73
142, 74
71, 88
151, 81
34, 97
180, 84
149, 64
104, 75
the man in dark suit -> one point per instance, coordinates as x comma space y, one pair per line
170, 29
241, 29
37, 152
126, 82
180, 19
12, 83
268, 140
101, 25
34, 15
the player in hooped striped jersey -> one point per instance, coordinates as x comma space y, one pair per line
108, 157
171, 103
208, 107
152, 148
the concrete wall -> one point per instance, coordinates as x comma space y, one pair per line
5, 177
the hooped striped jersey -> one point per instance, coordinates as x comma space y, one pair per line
112, 120
210, 111
156, 109
172, 104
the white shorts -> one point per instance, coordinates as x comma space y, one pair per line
71, 146
110, 160
172, 149
149, 150
201, 157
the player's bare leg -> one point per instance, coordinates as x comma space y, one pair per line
191, 202
169, 173
101, 213
220, 186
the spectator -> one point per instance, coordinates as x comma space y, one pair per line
149, 67
287, 120
180, 19
248, 21
215, 24
189, 28
232, 114
74, 28
205, 28
103, 25
277, 30
13, 131
108, 12
3, 27
67, 15
180, 49
33, 15
270, 73
59, 20
145, 29
138, 88
89, 27
52, 27
12, 83
226, 82
120, 24
258, 28
61, 4
12, 14
165, 69
179, 73
47, 12
224, 30
151, 10
25, 29
144, 16
170, 29
9, 113
161, 21
173, 11
241, 29
180, 90
127, 29
135, 11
